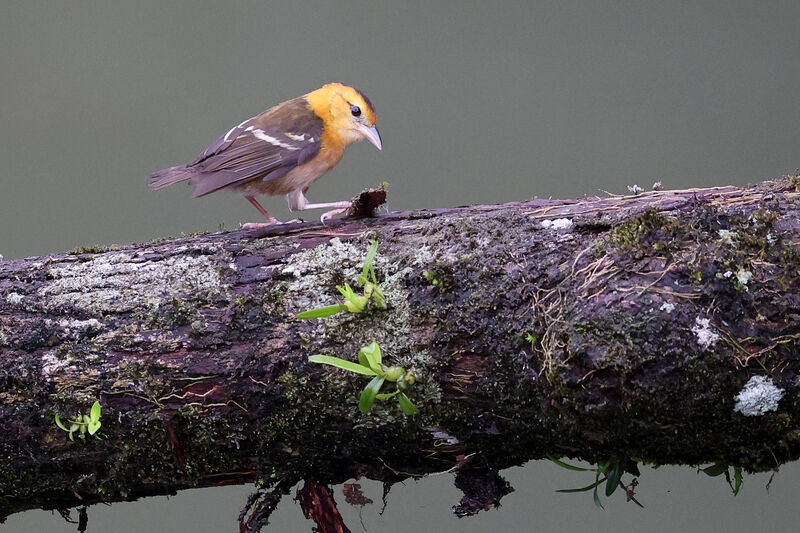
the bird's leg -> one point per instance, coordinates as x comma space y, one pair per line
298, 202
271, 220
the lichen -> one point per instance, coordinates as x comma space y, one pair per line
557, 224
704, 335
119, 282
759, 395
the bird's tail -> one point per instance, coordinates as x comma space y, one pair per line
171, 176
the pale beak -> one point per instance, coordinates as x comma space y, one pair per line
372, 135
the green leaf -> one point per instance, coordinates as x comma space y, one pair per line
603, 467
320, 312
371, 252
369, 393
378, 298
355, 303
737, 480
595, 496
60, 424
587, 488
94, 414
372, 353
614, 478
341, 363
93, 427
715, 470
406, 405
387, 395
568, 466
72, 429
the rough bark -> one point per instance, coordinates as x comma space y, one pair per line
645, 318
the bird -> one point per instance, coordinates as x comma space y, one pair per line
282, 150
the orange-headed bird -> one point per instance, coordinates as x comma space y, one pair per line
282, 150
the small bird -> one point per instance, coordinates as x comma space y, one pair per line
282, 150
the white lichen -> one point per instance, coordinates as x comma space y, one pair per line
759, 395
726, 236
557, 224
121, 282
52, 364
14, 298
706, 337
743, 276
667, 307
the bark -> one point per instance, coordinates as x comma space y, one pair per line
662, 327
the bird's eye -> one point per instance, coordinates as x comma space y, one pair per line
355, 110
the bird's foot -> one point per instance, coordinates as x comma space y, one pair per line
270, 222
333, 212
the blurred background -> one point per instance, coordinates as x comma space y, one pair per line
478, 102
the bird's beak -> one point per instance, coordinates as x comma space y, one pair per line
372, 135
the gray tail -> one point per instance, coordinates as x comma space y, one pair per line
171, 176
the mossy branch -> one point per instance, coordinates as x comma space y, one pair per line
662, 327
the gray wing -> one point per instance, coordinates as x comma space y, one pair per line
264, 147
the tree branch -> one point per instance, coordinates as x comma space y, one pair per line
662, 326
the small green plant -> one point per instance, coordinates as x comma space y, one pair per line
355, 303
611, 472
370, 364
432, 279
83, 423
734, 481
533, 338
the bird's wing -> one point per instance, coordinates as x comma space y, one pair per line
264, 147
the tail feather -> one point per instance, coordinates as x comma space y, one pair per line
171, 176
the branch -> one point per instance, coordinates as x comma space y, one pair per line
662, 326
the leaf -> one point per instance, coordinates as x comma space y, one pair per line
93, 427
369, 393
737, 480
72, 429
320, 312
355, 303
341, 363
372, 353
614, 478
387, 395
562, 464
371, 252
60, 424
378, 298
595, 496
406, 405
715, 470
587, 488
94, 414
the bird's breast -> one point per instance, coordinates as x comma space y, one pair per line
299, 177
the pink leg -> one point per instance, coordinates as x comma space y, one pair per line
271, 220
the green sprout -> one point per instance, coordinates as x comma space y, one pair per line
533, 338
84, 423
355, 303
611, 472
735, 482
370, 364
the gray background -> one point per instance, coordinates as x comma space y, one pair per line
479, 102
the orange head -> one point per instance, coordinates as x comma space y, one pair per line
347, 113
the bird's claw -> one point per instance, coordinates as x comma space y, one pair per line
333, 212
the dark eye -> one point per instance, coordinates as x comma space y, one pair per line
355, 110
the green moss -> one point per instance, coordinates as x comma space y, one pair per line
649, 233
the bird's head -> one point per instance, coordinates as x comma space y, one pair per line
347, 112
